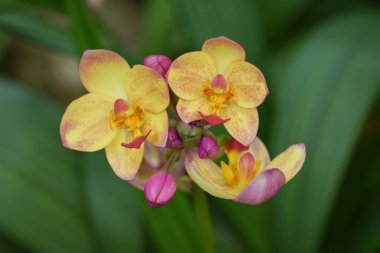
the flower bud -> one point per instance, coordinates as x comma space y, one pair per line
173, 141
159, 63
159, 189
187, 131
207, 148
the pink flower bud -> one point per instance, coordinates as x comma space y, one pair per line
159, 63
173, 141
159, 189
207, 148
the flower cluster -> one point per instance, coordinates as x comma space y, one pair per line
126, 112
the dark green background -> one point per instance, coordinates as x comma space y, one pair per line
321, 60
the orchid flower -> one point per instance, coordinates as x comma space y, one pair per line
123, 108
218, 85
249, 177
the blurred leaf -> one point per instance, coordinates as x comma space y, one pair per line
84, 28
56, 5
114, 207
322, 95
158, 19
36, 30
251, 222
173, 227
237, 20
277, 16
40, 194
357, 207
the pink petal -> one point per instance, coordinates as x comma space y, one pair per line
136, 143
262, 188
213, 119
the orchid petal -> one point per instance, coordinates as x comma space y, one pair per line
85, 125
224, 51
125, 162
158, 124
189, 73
249, 83
243, 123
146, 88
290, 161
260, 153
189, 110
263, 187
103, 71
208, 176
213, 119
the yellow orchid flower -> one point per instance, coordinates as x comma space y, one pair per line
250, 177
123, 108
218, 85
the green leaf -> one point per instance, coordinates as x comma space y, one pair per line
36, 30
356, 209
173, 227
158, 20
323, 93
113, 206
237, 20
84, 29
40, 194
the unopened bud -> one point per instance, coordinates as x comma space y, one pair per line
173, 141
159, 189
159, 63
207, 148
188, 131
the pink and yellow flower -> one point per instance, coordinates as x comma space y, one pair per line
249, 177
124, 107
218, 85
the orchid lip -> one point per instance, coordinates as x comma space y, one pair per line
136, 143
213, 119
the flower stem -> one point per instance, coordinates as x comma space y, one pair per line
202, 214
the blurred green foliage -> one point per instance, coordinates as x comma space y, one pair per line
320, 59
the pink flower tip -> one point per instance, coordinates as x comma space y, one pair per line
173, 141
302, 145
159, 189
207, 148
219, 82
159, 63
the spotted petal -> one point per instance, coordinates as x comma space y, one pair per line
103, 71
125, 162
260, 152
158, 124
290, 161
223, 51
146, 88
189, 110
263, 187
85, 124
243, 123
249, 83
208, 176
189, 73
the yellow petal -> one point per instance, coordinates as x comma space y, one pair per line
208, 176
189, 73
146, 88
85, 125
158, 124
290, 161
188, 110
249, 83
224, 51
103, 71
243, 123
260, 153
125, 162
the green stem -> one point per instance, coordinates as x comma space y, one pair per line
202, 214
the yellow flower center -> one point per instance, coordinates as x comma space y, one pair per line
218, 98
131, 118
236, 175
